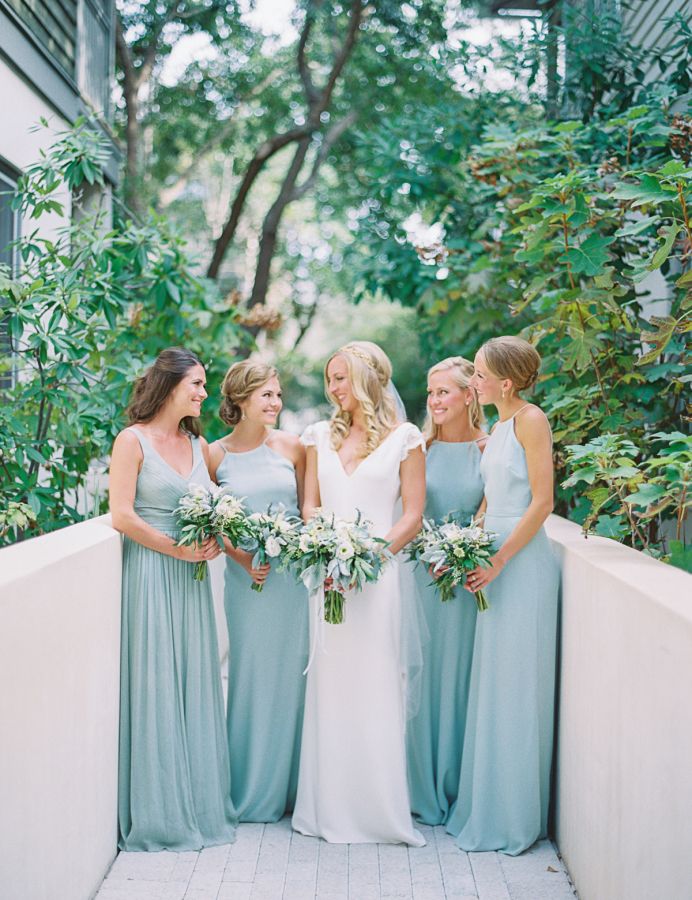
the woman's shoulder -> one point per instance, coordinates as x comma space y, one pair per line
287, 443
128, 439
530, 422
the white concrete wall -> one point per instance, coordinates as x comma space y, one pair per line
21, 143
59, 701
624, 781
59, 697
624, 785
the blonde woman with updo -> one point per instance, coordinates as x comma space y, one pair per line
352, 785
268, 631
435, 735
505, 766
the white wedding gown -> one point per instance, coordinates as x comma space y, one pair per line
352, 785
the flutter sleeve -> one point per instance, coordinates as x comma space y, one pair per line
311, 436
411, 439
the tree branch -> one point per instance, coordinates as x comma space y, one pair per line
265, 152
173, 191
149, 56
330, 138
340, 58
270, 225
311, 93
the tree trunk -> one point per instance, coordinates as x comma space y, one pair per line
132, 132
265, 152
270, 225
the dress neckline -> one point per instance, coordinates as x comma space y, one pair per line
187, 477
366, 458
244, 452
514, 414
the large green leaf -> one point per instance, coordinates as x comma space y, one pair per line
590, 257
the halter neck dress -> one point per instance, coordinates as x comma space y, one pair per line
174, 791
435, 735
268, 640
506, 760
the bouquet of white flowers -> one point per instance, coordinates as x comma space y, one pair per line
451, 551
209, 512
346, 552
269, 536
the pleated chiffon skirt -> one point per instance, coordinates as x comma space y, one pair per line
174, 789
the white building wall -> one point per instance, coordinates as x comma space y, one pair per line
21, 144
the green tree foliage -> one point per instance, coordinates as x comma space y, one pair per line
89, 308
562, 231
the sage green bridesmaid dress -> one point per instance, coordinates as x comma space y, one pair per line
505, 766
435, 735
174, 791
268, 651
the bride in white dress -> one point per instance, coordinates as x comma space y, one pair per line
352, 785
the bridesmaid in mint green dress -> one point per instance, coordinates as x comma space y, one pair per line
435, 735
506, 761
174, 771
268, 631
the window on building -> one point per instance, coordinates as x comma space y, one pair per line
9, 232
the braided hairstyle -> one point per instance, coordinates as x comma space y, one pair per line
369, 372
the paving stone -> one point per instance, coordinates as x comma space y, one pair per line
273, 863
240, 870
231, 891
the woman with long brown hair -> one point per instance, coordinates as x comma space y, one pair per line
174, 790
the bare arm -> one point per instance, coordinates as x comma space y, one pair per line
126, 461
311, 488
213, 457
412, 473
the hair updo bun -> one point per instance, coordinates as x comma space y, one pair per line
240, 381
513, 358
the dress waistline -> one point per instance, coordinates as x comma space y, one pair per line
505, 513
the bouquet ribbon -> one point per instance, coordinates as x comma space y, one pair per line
317, 640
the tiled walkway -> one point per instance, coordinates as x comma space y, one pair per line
271, 862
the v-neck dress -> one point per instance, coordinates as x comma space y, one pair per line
352, 784
174, 791
268, 641
435, 735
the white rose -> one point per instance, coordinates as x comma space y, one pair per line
272, 547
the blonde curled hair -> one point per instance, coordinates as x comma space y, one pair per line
240, 381
461, 371
369, 372
514, 358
